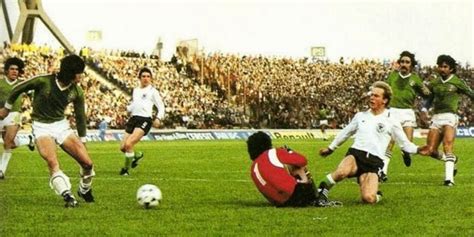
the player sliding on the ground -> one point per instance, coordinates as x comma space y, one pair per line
280, 174
372, 130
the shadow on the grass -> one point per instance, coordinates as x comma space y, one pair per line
245, 203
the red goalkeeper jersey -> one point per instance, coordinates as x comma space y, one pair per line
271, 176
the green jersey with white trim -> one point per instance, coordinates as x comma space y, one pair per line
5, 89
405, 90
50, 101
447, 94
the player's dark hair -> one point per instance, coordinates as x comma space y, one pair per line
410, 55
14, 61
70, 66
387, 90
257, 143
448, 60
144, 69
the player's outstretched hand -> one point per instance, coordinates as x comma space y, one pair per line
325, 152
156, 123
287, 148
3, 113
424, 150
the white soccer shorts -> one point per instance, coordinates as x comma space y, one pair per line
323, 122
440, 120
59, 130
406, 117
13, 118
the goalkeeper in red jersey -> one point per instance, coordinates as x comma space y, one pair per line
280, 174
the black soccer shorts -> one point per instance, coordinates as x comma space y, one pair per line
366, 162
143, 123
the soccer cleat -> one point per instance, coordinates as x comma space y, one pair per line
31, 144
70, 201
2, 175
326, 203
124, 172
138, 157
86, 196
406, 158
448, 183
379, 196
455, 171
323, 194
383, 177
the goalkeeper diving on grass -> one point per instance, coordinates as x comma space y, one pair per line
280, 174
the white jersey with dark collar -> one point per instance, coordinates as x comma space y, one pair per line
143, 100
372, 134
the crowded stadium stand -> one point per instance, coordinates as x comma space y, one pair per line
223, 90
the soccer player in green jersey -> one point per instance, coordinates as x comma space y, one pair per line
406, 86
447, 89
9, 126
323, 120
52, 94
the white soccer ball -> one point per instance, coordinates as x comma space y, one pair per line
148, 196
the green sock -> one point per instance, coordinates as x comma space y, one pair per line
128, 159
138, 154
327, 182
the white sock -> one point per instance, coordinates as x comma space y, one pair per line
7, 154
330, 179
20, 142
449, 167
60, 183
388, 156
378, 198
85, 182
385, 166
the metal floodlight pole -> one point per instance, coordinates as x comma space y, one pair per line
7, 19
29, 10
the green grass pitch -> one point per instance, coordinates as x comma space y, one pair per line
207, 191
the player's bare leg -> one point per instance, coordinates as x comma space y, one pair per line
433, 142
74, 147
346, 168
369, 184
8, 135
59, 181
448, 145
128, 143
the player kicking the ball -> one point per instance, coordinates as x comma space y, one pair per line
52, 94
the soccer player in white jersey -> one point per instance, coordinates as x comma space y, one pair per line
9, 126
52, 95
373, 130
141, 109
